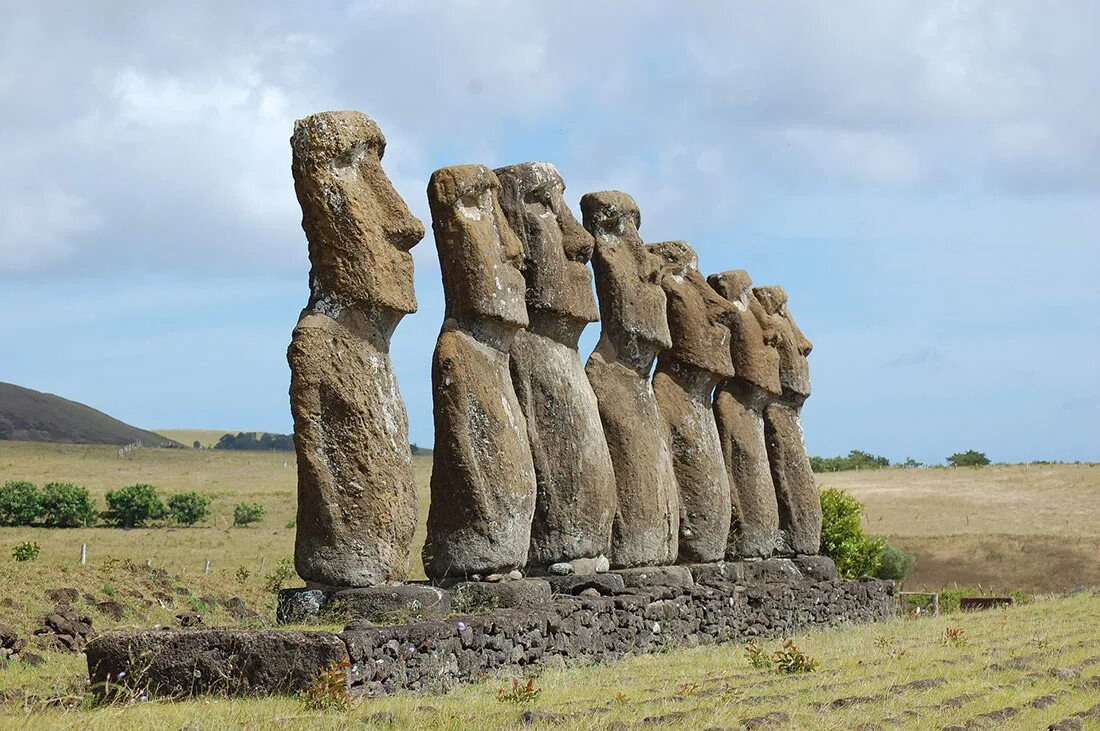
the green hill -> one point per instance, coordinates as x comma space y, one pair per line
33, 416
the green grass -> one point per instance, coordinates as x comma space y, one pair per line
1042, 660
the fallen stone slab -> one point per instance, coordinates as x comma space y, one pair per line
725, 572
230, 662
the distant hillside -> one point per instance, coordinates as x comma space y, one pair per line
33, 416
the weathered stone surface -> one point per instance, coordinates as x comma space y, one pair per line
483, 478
402, 602
721, 572
603, 583
517, 593
739, 404
437, 655
632, 307
795, 490
684, 383
816, 568
230, 662
356, 495
649, 576
575, 501
769, 570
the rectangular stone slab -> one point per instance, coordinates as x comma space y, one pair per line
221, 661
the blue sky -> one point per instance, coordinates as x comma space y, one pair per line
923, 178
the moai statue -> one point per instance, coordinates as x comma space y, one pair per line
684, 383
632, 307
739, 404
575, 503
356, 495
483, 479
795, 491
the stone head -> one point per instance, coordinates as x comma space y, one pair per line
793, 347
632, 303
698, 318
753, 335
480, 257
359, 229
556, 248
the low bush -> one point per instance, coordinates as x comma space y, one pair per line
20, 503
247, 513
132, 506
65, 505
188, 508
896, 564
26, 551
842, 538
856, 460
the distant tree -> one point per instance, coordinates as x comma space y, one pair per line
969, 458
20, 503
132, 506
856, 460
253, 441
896, 564
910, 462
65, 505
188, 508
196, 444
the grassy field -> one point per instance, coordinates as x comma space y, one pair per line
1032, 528
205, 437
1026, 667
1020, 527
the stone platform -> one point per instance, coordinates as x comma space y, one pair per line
435, 655
400, 603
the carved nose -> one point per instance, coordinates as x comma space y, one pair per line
406, 233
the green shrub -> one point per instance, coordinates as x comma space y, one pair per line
188, 508
26, 551
20, 503
842, 538
246, 513
284, 571
969, 458
65, 505
896, 564
134, 505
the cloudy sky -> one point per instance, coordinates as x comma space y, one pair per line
923, 178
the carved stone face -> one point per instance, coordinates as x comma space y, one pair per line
698, 317
632, 303
360, 230
753, 335
556, 247
480, 257
793, 347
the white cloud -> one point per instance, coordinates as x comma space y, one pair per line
37, 228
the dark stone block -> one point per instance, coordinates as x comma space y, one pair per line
656, 576
604, 583
770, 570
401, 603
231, 662
722, 572
475, 595
299, 606
816, 568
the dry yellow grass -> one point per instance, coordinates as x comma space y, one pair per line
1033, 528
205, 437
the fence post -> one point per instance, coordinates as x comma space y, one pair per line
83, 554
148, 563
206, 567
263, 559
